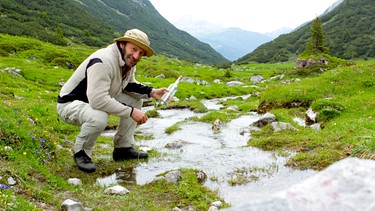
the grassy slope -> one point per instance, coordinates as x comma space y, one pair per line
41, 159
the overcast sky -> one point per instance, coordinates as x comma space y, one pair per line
253, 15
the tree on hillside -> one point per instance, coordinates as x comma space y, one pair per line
317, 41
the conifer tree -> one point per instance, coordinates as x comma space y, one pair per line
317, 41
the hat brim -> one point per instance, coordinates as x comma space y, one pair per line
149, 51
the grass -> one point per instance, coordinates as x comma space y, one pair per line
36, 147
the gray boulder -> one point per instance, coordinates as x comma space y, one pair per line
345, 185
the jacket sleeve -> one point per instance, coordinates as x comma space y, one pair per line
136, 89
98, 84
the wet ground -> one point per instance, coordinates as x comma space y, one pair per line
238, 172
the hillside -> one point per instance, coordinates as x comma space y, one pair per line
348, 28
96, 23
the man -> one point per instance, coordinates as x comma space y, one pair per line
104, 84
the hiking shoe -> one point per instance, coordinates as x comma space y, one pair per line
84, 162
128, 153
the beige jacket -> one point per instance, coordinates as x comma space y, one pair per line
102, 82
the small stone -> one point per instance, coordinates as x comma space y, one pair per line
213, 208
173, 177
70, 205
117, 190
11, 181
217, 204
8, 148
74, 181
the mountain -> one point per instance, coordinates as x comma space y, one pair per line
348, 28
333, 6
282, 30
197, 27
232, 43
98, 22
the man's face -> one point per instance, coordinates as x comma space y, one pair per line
132, 53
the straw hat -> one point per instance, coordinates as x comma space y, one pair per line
139, 38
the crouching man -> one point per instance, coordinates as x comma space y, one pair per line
104, 84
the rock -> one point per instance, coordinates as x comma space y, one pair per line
11, 181
188, 80
173, 177
116, 190
233, 108
256, 79
345, 185
8, 149
70, 205
277, 126
203, 83
217, 204
213, 208
192, 98
176, 144
69, 65
234, 83
201, 177
217, 81
217, 125
310, 62
315, 126
74, 181
264, 120
14, 71
160, 76
311, 117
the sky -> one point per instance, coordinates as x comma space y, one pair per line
260, 16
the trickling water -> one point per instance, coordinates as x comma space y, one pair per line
223, 156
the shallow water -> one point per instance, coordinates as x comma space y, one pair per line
222, 156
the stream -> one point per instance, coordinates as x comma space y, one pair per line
223, 156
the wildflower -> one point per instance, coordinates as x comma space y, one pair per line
4, 186
24, 153
49, 155
42, 140
30, 120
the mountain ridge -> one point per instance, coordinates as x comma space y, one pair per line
97, 23
231, 42
348, 29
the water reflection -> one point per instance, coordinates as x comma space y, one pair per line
126, 176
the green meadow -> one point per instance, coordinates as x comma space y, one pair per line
36, 147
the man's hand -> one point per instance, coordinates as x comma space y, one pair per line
158, 93
139, 116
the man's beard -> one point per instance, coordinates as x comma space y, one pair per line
127, 63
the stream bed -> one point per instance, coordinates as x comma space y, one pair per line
222, 156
